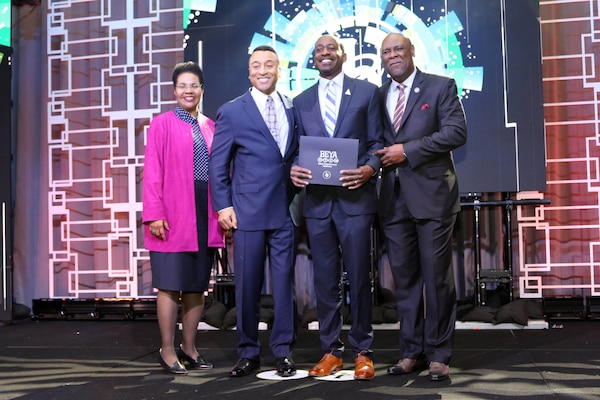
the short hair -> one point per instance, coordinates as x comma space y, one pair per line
188, 66
337, 40
264, 48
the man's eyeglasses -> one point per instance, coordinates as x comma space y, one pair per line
193, 86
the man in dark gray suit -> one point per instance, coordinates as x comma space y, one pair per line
340, 217
419, 201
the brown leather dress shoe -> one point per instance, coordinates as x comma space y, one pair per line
364, 369
438, 371
407, 366
328, 365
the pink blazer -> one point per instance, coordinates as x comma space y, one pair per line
168, 191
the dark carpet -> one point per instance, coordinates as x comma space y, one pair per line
108, 359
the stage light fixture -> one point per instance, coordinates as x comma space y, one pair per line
114, 308
47, 309
143, 309
94, 309
80, 309
592, 306
564, 307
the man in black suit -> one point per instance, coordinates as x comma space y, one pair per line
419, 201
340, 217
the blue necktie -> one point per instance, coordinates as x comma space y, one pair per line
200, 154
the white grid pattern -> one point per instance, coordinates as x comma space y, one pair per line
559, 250
104, 87
109, 72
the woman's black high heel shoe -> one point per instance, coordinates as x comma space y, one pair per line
199, 363
176, 368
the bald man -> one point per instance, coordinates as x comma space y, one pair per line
419, 200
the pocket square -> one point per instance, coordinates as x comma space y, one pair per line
347, 93
425, 106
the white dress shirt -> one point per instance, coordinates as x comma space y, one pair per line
392, 94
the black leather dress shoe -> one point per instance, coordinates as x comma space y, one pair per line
244, 366
198, 363
175, 368
285, 366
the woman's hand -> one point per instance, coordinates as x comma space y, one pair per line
157, 228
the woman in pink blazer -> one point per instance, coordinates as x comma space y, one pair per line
180, 227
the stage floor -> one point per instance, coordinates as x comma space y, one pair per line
107, 359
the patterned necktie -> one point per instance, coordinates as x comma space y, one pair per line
200, 148
271, 120
330, 108
399, 107
200, 154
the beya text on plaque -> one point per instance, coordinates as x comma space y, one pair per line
327, 159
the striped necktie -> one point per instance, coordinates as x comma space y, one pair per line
399, 110
330, 108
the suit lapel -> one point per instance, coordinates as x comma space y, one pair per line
313, 99
347, 89
383, 91
289, 111
413, 96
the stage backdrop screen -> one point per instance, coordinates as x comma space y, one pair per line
5, 23
490, 47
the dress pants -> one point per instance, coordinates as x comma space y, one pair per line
250, 249
420, 255
351, 235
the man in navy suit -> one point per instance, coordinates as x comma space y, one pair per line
254, 145
419, 201
339, 218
